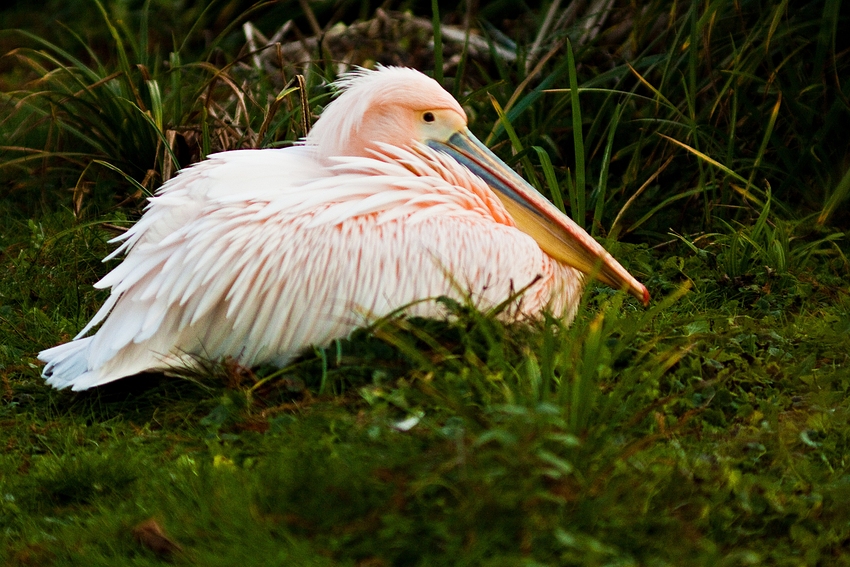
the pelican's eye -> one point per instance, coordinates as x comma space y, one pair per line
428, 117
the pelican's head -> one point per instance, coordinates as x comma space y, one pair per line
401, 107
392, 105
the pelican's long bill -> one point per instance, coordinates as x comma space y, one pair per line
555, 233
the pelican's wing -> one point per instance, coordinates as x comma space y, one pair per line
259, 274
237, 177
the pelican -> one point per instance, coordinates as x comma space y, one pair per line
389, 201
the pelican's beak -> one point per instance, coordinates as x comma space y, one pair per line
555, 233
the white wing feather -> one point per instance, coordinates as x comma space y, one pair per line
250, 255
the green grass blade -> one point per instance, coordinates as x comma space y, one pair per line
571, 192
626, 94
506, 124
839, 194
74, 62
128, 178
142, 47
515, 142
457, 89
665, 203
660, 97
176, 75
764, 141
123, 60
438, 41
551, 178
603, 174
705, 158
206, 142
527, 101
156, 104
778, 16
578, 140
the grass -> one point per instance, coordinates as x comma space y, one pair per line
705, 145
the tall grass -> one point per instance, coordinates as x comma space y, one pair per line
133, 116
755, 91
751, 91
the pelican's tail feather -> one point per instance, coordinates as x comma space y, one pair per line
67, 364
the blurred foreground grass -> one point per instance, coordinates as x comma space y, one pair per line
710, 429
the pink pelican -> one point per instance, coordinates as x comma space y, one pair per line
390, 200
